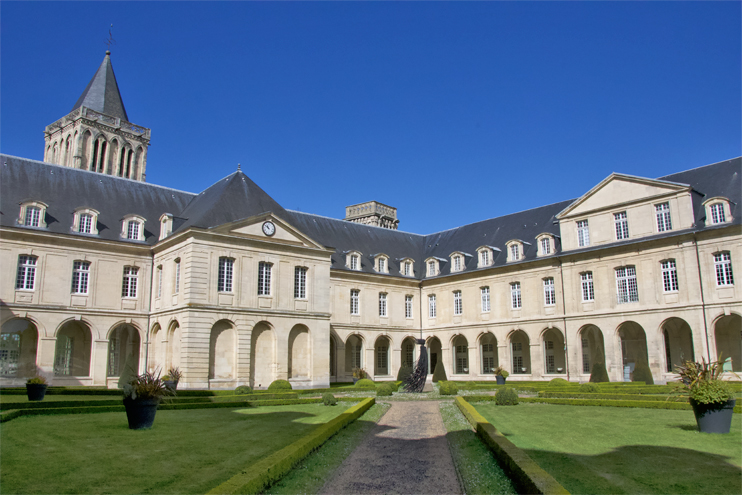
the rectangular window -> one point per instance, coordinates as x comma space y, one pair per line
177, 276
409, 357
583, 234
515, 301
382, 304
382, 358
588, 291
300, 282
408, 307
585, 356
86, 223
264, 278
545, 245
485, 299
626, 284
159, 281
33, 216
669, 276
485, 257
354, 262
663, 217
354, 303
514, 252
621, 222
431, 268
723, 266
132, 230
458, 304
432, 310
549, 292
226, 267
80, 277
382, 265
407, 268
457, 263
355, 353
488, 359
550, 364
26, 274
717, 213
131, 276
10, 353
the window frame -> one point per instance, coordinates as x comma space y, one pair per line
458, 303
723, 269
78, 225
176, 285
626, 291
432, 306
383, 306
516, 301
621, 225
549, 291
265, 274
485, 299
663, 216
40, 219
583, 233
587, 286
80, 278
355, 302
25, 278
130, 284
408, 314
225, 275
669, 276
126, 228
300, 282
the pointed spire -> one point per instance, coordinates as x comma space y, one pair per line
102, 93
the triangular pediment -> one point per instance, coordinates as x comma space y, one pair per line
256, 228
618, 190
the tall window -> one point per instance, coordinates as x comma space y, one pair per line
457, 263
626, 284
226, 268
382, 359
514, 252
669, 276
131, 277
86, 223
515, 301
621, 222
588, 291
33, 216
354, 302
723, 266
355, 354
485, 299
264, 278
409, 356
177, 276
484, 256
26, 274
585, 356
583, 233
488, 359
132, 230
300, 282
432, 310
407, 268
80, 276
549, 292
408, 307
517, 348
545, 245
159, 281
10, 353
431, 268
458, 303
354, 262
717, 213
382, 265
663, 217
382, 304
462, 359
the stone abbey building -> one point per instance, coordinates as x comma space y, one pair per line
102, 272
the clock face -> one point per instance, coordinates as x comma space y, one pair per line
269, 228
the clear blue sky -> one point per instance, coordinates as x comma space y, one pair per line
453, 112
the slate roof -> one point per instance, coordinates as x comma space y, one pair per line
102, 93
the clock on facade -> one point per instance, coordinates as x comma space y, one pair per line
269, 228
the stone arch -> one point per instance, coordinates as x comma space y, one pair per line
728, 338
19, 339
555, 359
460, 355
156, 348
520, 352
409, 351
678, 338
123, 351
382, 356
136, 166
262, 355
592, 347
435, 353
488, 360
112, 160
354, 355
55, 152
222, 351
73, 349
633, 342
67, 150
85, 150
333, 356
173, 341
300, 352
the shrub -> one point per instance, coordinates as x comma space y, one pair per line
500, 371
384, 390
174, 373
365, 383
589, 388
599, 374
558, 382
439, 374
506, 397
359, 373
148, 385
448, 388
404, 373
642, 373
715, 391
36, 380
280, 385
328, 399
243, 390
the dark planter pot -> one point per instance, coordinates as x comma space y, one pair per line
714, 417
355, 380
171, 385
36, 391
500, 380
141, 413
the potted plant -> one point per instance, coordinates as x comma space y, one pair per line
710, 397
36, 388
500, 375
358, 374
142, 395
172, 378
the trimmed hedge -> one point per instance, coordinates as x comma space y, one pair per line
404, 373
384, 390
328, 399
257, 477
558, 382
506, 397
448, 388
365, 383
643, 373
277, 385
589, 388
439, 373
599, 374
607, 396
650, 389
643, 404
526, 474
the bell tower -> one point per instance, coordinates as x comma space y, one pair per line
97, 134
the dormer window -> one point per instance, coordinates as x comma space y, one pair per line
432, 267
133, 228
382, 264
717, 211
457, 262
515, 250
85, 221
406, 267
166, 225
485, 256
353, 260
545, 244
33, 214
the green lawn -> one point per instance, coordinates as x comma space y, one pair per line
15, 399
609, 450
185, 451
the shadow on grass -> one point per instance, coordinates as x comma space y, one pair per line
685, 427
642, 469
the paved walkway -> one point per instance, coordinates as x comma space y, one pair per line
407, 453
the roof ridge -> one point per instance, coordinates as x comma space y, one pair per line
354, 223
702, 166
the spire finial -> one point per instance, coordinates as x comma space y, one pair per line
239, 167
110, 41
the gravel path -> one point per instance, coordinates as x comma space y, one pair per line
406, 453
